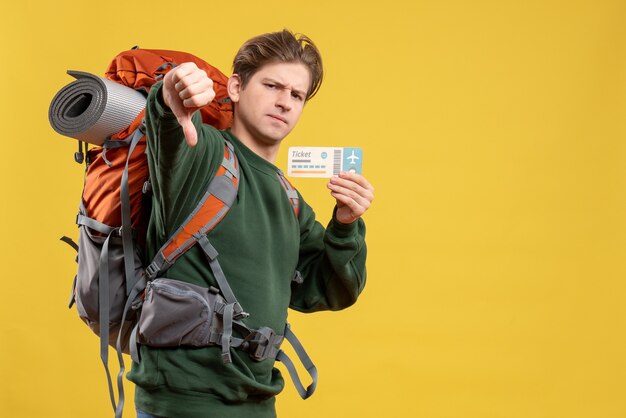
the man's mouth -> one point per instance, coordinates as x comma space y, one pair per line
279, 118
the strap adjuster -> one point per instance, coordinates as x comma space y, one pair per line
260, 344
152, 270
239, 313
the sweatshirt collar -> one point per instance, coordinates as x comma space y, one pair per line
251, 157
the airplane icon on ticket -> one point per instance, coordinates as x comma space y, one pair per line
352, 158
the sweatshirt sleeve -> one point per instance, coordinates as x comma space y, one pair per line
331, 263
174, 166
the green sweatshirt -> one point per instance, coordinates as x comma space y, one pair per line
261, 243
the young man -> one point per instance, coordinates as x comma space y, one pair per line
262, 243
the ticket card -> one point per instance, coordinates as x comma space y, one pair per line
323, 161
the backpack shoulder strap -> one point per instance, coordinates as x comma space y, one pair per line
291, 191
213, 206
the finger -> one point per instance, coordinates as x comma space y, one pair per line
188, 87
198, 100
189, 130
181, 71
187, 69
201, 92
352, 181
193, 84
186, 75
350, 188
346, 195
347, 209
357, 178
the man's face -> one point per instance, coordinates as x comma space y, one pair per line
270, 104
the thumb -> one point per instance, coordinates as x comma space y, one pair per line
189, 129
183, 114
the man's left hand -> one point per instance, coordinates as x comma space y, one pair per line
354, 195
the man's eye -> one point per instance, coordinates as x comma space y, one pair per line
296, 96
270, 85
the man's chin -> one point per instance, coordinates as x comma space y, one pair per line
274, 136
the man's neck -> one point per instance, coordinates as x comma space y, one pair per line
267, 152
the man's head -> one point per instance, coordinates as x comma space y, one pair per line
281, 46
274, 75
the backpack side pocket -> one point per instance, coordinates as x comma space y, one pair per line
176, 313
100, 256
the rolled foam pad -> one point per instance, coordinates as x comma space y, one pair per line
92, 108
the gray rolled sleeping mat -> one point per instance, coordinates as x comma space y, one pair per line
92, 109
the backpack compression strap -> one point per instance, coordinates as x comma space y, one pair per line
134, 285
306, 362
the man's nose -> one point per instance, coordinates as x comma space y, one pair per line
284, 99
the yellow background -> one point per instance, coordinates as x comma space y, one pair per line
494, 133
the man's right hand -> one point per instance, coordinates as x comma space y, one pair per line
187, 88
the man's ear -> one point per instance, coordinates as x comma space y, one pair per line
234, 87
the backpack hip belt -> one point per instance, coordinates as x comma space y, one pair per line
177, 313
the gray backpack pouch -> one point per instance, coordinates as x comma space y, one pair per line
95, 253
176, 313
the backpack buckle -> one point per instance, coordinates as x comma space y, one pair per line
121, 230
152, 270
262, 343
147, 187
239, 313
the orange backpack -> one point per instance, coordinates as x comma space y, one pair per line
112, 272
140, 69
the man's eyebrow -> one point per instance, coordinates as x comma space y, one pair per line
283, 86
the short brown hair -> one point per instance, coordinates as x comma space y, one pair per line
283, 46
